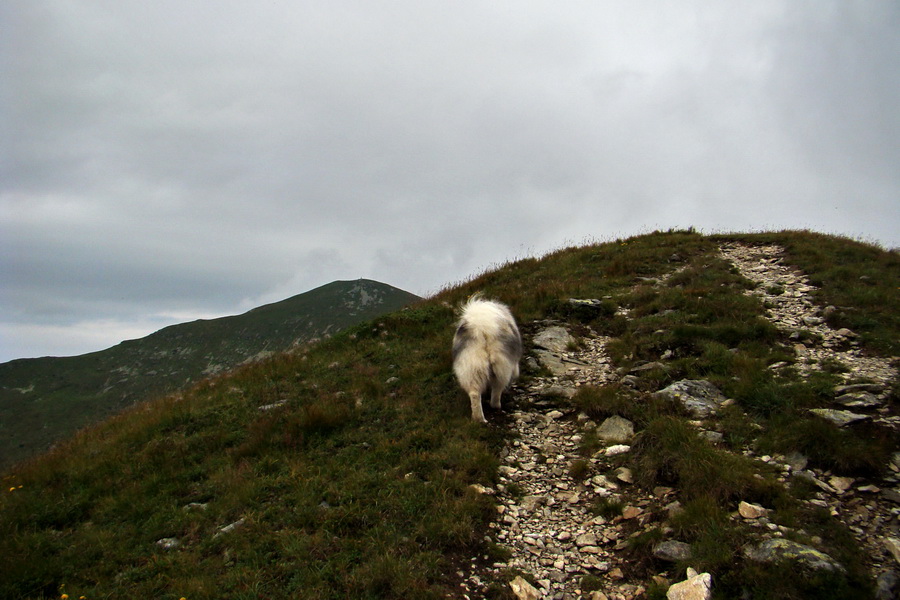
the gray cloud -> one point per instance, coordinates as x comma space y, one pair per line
167, 160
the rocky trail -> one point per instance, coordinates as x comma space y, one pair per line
550, 501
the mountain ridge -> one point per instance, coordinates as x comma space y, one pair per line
352, 468
44, 399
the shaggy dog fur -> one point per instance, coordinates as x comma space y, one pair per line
486, 351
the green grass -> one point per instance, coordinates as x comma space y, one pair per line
357, 483
66, 394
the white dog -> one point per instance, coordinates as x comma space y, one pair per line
486, 351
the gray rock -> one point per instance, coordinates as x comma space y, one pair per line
859, 400
893, 546
565, 391
840, 418
695, 587
859, 387
672, 551
713, 437
229, 528
700, 398
615, 450
781, 549
529, 503
631, 381
168, 543
888, 586
625, 475
616, 429
650, 366
554, 339
552, 362
796, 461
524, 590
751, 511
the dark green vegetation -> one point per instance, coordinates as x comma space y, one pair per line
357, 486
43, 400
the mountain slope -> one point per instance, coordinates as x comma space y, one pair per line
352, 469
45, 399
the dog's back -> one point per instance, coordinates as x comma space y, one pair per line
486, 351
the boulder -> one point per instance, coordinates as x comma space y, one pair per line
700, 398
615, 429
524, 590
554, 339
695, 587
672, 551
778, 549
751, 511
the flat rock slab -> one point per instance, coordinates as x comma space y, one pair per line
782, 549
553, 362
840, 418
859, 400
672, 551
554, 339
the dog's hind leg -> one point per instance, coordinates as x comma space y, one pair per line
477, 411
496, 390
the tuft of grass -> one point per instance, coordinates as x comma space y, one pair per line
591, 583
608, 507
579, 469
669, 452
715, 540
860, 451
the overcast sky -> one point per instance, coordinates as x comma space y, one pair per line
170, 160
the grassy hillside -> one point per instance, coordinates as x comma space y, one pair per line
344, 470
45, 399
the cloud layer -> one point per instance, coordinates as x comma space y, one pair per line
171, 160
